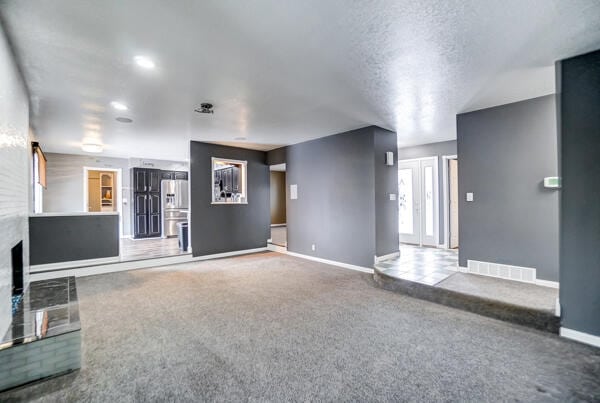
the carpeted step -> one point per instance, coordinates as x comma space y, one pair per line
535, 318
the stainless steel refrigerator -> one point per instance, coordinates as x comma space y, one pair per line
174, 205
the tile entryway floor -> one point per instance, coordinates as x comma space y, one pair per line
420, 264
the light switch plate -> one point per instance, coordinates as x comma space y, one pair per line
469, 196
392, 196
293, 192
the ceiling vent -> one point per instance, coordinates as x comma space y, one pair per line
205, 108
123, 119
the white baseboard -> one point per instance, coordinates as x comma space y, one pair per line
463, 269
72, 264
581, 337
135, 264
331, 262
279, 225
386, 257
546, 283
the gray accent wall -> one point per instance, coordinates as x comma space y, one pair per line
277, 156
68, 238
218, 228
386, 183
504, 153
15, 175
433, 150
579, 87
335, 209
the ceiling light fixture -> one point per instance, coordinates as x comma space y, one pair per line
144, 62
92, 148
119, 105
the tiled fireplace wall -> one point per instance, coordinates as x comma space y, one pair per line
14, 174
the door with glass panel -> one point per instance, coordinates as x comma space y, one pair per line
417, 201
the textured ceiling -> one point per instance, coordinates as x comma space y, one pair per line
281, 72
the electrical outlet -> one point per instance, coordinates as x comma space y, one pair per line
313, 247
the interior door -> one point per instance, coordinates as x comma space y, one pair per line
453, 185
409, 197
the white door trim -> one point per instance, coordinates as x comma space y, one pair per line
119, 172
446, 197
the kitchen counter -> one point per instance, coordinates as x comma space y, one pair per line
73, 214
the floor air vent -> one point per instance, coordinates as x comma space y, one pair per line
508, 272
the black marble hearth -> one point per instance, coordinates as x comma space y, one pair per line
44, 338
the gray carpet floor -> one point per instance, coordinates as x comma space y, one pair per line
270, 327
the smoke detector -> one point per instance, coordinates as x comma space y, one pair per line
205, 107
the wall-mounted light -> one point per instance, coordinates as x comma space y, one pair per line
92, 148
389, 158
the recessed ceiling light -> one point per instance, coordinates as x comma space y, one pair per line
119, 105
123, 119
92, 148
144, 62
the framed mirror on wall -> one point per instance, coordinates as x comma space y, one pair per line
229, 184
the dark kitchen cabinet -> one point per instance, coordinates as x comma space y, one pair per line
140, 180
146, 202
235, 179
153, 180
174, 175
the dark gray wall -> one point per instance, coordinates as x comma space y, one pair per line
433, 150
54, 239
386, 182
226, 228
504, 154
276, 156
335, 209
580, 200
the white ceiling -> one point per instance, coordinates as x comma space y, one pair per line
281, 72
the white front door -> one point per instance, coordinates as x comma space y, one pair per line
418, 201
409, 202
453, 185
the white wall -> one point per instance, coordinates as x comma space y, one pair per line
15, 176
64, 193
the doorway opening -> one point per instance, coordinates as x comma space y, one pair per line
418, 201
278, 205
102, 192
450, 201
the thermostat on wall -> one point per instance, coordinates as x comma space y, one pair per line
552, 182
